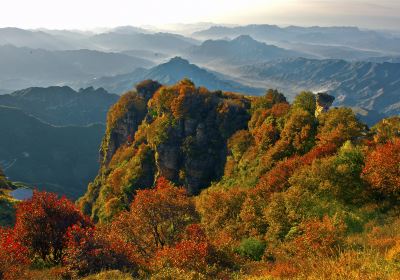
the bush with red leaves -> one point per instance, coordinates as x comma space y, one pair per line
13, 256
41, 223
89, 250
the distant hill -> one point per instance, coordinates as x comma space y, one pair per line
25, 67
62, 105
157, 42
345, 36
33, 39
239, 51
170, 73
368, 85
58, 159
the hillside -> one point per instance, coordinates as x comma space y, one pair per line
62, 105
170, 73
238, 51
199, 184
58, 159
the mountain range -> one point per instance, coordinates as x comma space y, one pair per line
334, 36
25, 67
62, 106
171, 72
238, 51
369, 85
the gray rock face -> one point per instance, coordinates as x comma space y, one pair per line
324, 102
120, 134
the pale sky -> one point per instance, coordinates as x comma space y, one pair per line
87, 14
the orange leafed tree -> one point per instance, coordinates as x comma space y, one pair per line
382, 169
156, 218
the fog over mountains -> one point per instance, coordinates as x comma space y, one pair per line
61, 82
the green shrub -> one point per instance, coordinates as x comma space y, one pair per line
251, 248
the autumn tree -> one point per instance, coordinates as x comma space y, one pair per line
297, 136
382, 169
193, 253
271, 97
338, 126
306, 101
220, 211
387, 129
156, 218
90, 250
14, 258
42, 221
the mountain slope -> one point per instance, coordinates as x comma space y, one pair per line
62, 105
169, 73
239, 51
58, 159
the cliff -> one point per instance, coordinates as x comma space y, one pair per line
179, 132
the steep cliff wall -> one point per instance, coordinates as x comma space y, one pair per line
178, 132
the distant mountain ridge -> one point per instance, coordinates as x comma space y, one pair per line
346, 36
170, 73
62, 105
369, 85
24, 67
238, 51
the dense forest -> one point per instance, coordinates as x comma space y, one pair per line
199, 184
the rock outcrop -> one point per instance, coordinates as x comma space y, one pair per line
178, 132
323, 102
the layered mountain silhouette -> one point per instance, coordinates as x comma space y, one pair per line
25, 67
171, 72
241, 50
368, 85
62, 105
159, 42
345, 36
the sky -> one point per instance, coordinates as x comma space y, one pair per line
88, 14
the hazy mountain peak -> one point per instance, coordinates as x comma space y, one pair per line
177, 60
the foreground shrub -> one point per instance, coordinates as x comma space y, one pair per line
193, 253
13, 256
88, 251
382, 169
41, 223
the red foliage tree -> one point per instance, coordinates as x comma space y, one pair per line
89, 250
382, 169
13, 256
42, 221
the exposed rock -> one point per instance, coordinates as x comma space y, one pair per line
181, 135
324, 102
